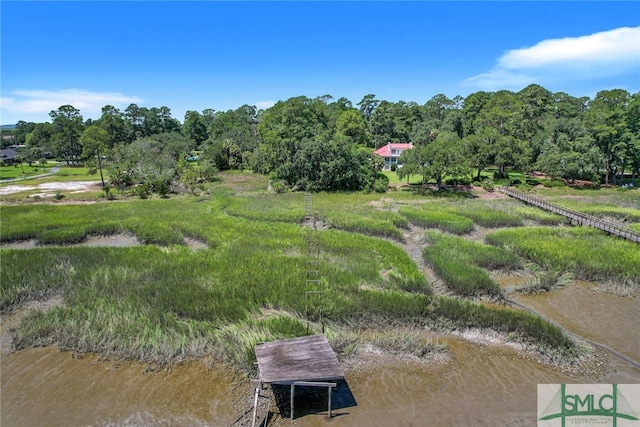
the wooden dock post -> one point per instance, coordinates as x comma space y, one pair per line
255, 406
330, 387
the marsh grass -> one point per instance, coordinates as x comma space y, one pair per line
286, 207
587, 253
546, 281
461, 263
539, 216
404, 342
162, 304
630, 214
147, 303
523, 325
431, 217
490, 215
381, 225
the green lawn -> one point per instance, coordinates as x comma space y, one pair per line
17, 171
412, 179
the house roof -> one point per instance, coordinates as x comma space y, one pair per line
8, 153
385, 151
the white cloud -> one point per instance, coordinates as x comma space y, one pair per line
621, 45
609, 53
263, 105
499, 79
43, 101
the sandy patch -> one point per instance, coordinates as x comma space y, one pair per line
48, 187
195, 244
116, 240
119, 240
11, 189
487, 337
23, 244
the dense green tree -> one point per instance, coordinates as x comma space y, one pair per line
368, 105
95, 141
159, 120
329, 165
39, 140
195, 127
351, 124
571, 159
393, 122
135, 116
473, 105
21, 131
67, 127
118, 129
283, 127
479, 148
606, 120
233, 135
632, 113
502, 117
564, 136
445, 157
436, 160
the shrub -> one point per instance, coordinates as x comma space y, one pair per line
381, 184
498, 175
554, 183
488, 185
458, 181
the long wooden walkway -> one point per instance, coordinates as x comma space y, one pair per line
579, 217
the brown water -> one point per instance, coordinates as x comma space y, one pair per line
478, 385
46, 387
608, 319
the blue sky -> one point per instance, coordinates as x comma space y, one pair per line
221, 55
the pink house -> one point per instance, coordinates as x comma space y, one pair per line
391, 153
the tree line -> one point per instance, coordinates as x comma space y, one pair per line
326, 144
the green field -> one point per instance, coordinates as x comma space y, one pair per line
163, 301
21, 172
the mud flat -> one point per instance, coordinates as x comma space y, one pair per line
602, 317
476, 385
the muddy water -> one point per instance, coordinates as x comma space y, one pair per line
476, 385
604, 318
46, 387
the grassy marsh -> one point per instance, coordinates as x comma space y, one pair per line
162, 301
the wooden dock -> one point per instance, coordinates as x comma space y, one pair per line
299, 362
575, 217
307, 358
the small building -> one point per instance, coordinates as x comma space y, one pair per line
391, 153
8, 156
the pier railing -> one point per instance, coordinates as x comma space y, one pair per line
573, 216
